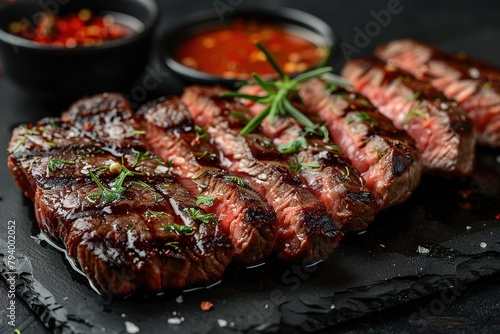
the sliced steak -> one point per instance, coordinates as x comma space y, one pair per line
444, 135
243, 214
328, 175
130, 229
386, 157
474, 84
305, 231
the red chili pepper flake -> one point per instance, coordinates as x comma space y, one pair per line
497, 217
88, 127
72, 29
206, 305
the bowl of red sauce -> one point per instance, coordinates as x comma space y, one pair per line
66, 49
205, 49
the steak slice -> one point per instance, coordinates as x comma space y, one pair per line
243, 214
474, 84
305, 231
328, 175
444, 135
386, 157
128, 230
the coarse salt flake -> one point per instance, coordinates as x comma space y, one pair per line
423, 250
131, 328
174, 321
161, 169
473, 73
222, 322
483, 244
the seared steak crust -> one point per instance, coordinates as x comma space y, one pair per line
444, 135
243, 214
329, 176
305, 231
116, 232
386, 157
474, 84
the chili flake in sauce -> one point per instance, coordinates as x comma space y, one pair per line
230, 51
71, 29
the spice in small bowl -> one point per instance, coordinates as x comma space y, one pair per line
83, 28
204, 49
230, 51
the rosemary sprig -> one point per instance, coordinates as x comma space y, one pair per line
115, 190
363, 117
55, 163
200, 132
293, 146
237, 180
414, 113
281, 92
205, 200
198, 216
179, 229
155, 214
21, 142
298, 165
173, 244
347, 173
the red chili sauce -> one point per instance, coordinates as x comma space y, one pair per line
72, 29
230, 51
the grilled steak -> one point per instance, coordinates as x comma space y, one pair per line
305, 231
474, 84
117, 211
243, 214
328, 175
440, 127
386, 157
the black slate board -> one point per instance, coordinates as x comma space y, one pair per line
455, 220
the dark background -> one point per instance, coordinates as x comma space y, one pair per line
468, 26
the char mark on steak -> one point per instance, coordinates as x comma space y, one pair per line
243, 214
305, 231
386, 157
474, 84
129, 228
444, 135
329, 176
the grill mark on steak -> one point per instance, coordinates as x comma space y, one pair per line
386, 157
305, 231
336, 184
474, 84
119, 243
243, 214
440, 127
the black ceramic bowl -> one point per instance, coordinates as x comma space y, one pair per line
302, 23
50, 72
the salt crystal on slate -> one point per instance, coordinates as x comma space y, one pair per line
222, 323
174, 321
131, 328
483, 244
179, 299
423, 250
